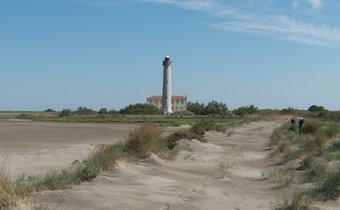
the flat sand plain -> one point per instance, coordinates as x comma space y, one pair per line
33, 147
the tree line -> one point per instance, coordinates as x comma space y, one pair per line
193, 108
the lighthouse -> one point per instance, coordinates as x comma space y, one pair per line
166, 97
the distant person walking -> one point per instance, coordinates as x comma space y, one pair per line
292, 124
299, 122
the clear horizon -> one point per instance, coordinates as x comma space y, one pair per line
108, 53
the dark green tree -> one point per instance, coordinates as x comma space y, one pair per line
215, 107
196, 108
315, 108
49, 110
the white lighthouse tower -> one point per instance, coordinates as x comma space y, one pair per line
166, 97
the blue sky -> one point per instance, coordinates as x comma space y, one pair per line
108, 53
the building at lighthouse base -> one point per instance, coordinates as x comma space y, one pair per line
178, 103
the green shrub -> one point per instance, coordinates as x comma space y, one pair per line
196, 108
140, 109
66, 113
106, 156
216, 108
85, 111
103, 111
212, 108
288, 110
245, 110
90, 169
323, 113
172, 139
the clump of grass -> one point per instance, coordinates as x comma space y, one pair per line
201, 127
310, 127
281, 176
335, 146
147, 138
291, 155
298, 202
7, 194
53, 179
104, 158
330, 187
172, 139
316, 171
307, 162
281, 134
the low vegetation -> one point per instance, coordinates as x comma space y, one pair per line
246, 110
140, 109
310, 159
288, 110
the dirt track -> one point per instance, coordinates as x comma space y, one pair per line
221, 174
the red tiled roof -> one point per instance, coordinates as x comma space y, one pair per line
172, 97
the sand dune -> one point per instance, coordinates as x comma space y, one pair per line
221, 174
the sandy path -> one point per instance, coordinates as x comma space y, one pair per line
221, 174
34, 147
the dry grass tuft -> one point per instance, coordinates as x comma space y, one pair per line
143, 140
